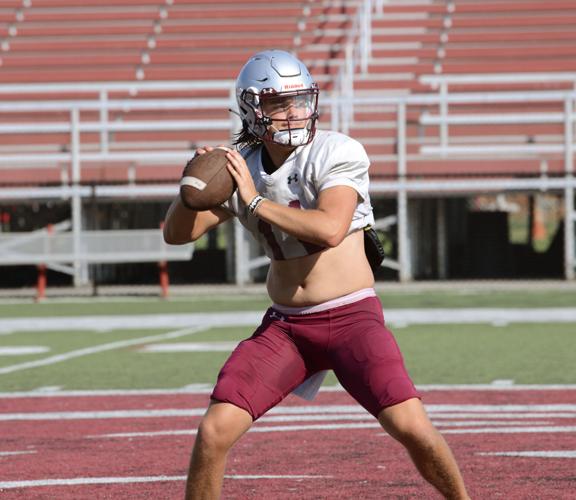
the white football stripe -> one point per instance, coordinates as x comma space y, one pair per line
188, 180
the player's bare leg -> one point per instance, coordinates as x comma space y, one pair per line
408, 423
222, 425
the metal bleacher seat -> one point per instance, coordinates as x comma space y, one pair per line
64, 41
411, 40
511, 37
154, 40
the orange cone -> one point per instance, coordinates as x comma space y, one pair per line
538, 226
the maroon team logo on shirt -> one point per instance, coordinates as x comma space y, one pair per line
311, 248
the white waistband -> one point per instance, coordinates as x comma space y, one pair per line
330, 304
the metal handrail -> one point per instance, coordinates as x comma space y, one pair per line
402, 186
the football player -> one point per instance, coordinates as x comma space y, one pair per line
303, 194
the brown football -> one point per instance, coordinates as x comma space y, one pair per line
206, 182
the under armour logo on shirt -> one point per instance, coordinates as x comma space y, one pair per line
293, 178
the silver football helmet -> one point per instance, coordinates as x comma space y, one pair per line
277, 98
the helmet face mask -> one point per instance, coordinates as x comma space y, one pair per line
277, 99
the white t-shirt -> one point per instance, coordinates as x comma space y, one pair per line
331, 159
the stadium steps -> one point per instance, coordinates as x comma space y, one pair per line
420, 38
64, 41
131, 40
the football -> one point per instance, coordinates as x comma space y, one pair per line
206, 182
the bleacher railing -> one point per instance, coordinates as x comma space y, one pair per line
74, 155
357, 55
408, 149
564, 146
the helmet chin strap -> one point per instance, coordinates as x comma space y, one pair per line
290, 137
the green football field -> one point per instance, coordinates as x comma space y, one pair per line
96, 357
434, 298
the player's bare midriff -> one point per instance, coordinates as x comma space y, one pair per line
322, 276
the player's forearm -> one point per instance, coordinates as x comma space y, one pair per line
314, 226
179, 224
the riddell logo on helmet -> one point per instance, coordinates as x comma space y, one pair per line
294, 86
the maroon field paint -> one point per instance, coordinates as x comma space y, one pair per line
345, 462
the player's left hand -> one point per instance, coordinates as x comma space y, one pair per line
239, 170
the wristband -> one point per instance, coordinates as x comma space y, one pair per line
255, 203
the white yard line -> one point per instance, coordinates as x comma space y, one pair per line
190, 347
532, 454
41, 393
101, 415
503, 415
81, 481
261, 428
514, 430
130, 322
11, 453
496, 387
435, 410
276, 476
99, 348
285, 428
346, 426
199, 389
402, 317
23, 350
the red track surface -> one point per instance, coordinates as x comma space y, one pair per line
360, 462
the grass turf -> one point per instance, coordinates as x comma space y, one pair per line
458, 298
434, 354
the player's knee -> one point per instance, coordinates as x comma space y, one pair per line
421, 435
410, 430
221, 427
214, 436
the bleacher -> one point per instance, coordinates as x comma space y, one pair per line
107, 99
62, 41
65, 41
48, 41
421, 37
413, 41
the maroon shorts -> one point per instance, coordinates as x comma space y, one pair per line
285, 350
